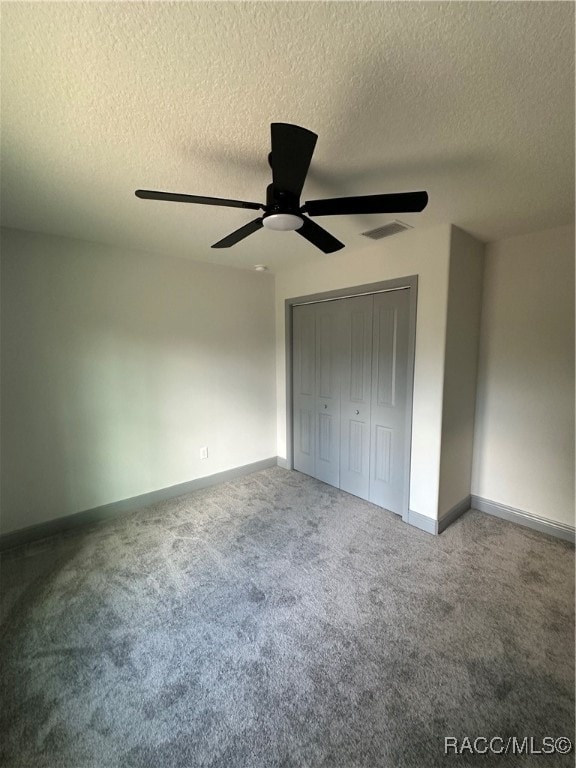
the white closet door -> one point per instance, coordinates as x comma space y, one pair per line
350, 394
327, 404
304, 387
388, 471
356, 388
316, 390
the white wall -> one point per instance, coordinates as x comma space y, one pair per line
524, 443
422, 252
117, 366
461, 368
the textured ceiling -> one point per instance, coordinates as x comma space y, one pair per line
473, 102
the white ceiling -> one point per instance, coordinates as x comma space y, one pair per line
473, 102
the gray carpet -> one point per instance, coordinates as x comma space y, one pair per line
275, 622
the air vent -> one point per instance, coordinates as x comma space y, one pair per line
386, 230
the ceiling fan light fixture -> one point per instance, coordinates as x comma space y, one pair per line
283, 222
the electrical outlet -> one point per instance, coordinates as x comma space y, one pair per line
204, 452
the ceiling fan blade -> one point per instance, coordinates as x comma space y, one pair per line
319, 236
239, 234
403, 202
292, 150
149, 194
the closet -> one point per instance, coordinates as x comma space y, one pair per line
352, 394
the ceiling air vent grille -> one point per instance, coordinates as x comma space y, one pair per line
386, 230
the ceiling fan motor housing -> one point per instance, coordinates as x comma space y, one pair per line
281, 201
282, 210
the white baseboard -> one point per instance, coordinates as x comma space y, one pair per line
435, 527
423, 522
454, 513
560, 530
116, 508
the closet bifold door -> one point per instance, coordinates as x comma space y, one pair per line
389, 470
304, 387
316, 390
350, 394
327, 402
355, 367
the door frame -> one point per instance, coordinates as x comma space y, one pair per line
409, 282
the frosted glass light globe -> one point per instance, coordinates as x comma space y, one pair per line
282, 221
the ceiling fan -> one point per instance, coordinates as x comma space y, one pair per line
292, 149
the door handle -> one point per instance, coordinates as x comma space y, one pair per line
325, 406
357, 413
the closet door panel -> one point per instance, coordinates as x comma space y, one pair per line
304, 387
388, 474
356, 379
327, 401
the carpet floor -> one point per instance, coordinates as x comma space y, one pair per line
276, 622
